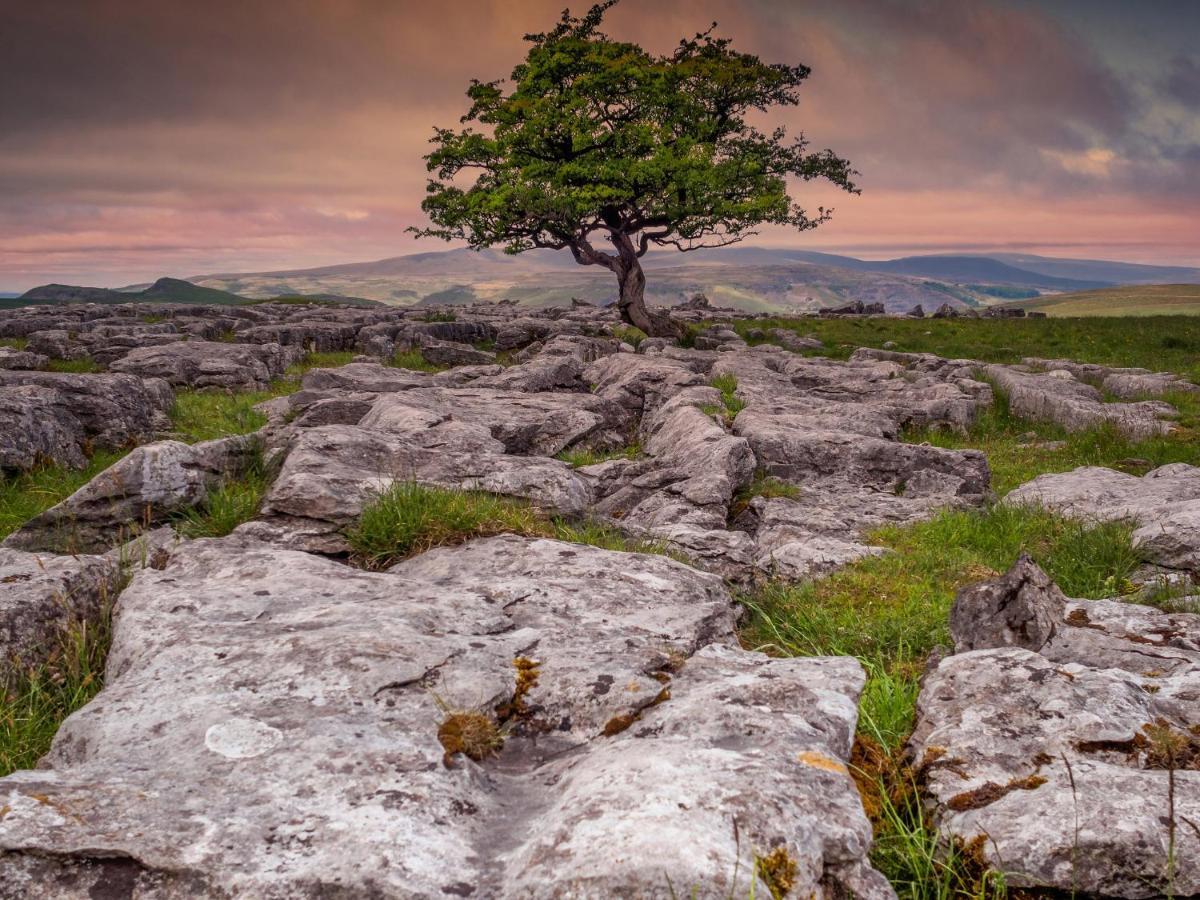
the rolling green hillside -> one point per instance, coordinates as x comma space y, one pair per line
1128, 300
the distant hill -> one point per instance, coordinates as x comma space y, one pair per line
750, 278
1102, 270
1127, 300
165, 290
775, 280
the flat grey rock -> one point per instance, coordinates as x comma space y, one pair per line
302, 759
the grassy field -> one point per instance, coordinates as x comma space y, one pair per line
1127, 300
1161, 343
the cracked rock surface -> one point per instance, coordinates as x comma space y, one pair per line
1053, 739
302, 759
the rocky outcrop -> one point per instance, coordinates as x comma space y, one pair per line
210, 364
1164, 503
60, 418
142, 489
1058, 742
1058, 397
43, 596
319, 746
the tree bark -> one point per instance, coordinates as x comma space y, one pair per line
631, 302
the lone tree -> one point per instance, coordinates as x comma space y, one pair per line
598, 140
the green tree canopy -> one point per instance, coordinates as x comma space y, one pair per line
595, 141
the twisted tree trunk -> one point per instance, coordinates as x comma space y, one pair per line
631, 302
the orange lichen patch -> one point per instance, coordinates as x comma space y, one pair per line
527, 673
778, 870
880, 776
617, 724
470, 732
990, 792
1078, 617
821, 761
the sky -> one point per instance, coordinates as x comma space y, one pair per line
141, 138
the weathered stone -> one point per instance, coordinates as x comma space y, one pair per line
1045, 748
201, 364
1165, 503
452, 353
56, 417
142, 489
1077, 406
43, 596
21, 359
303, 759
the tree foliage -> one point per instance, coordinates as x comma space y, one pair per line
593, 139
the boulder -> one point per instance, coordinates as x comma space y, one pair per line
316, 751
60, 417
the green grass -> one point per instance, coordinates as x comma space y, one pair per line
414, 361
29, 494
203, 415
16, 343
325, 360
34, 702
890, 612
1015, 458
410, 518
1159, 343
578, 457
236, 500
76, 366
206, 415
153, 319
629, 334
727, 385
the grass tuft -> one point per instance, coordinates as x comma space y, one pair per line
629, 334
410, 518
727, 384
414, 361
34, 701
84, 366
15, 343
28, 494
578, 457
236, 500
